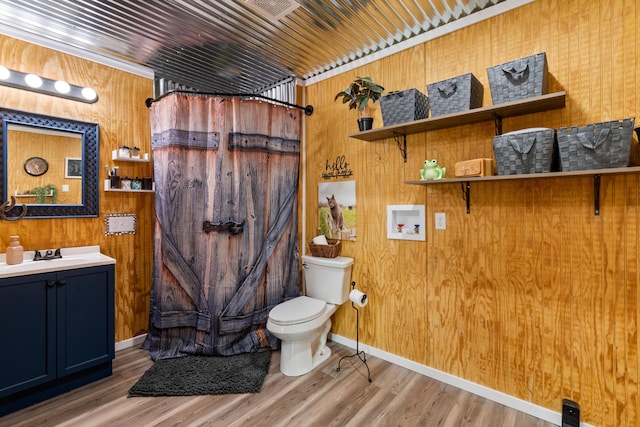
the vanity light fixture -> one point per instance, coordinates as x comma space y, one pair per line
34, 83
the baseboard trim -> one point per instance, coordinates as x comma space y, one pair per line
480, 390
131, 342
477, 389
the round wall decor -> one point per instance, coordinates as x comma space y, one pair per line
36, 166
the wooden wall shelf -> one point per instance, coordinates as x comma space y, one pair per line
595, 173
537, 104
592, 172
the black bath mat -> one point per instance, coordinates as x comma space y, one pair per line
197, 375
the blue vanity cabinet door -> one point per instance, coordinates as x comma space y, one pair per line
85, 318
27, 332
56, 333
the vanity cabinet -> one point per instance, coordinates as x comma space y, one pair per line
57, 333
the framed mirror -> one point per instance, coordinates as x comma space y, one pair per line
49, 164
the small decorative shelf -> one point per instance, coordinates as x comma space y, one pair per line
107, 187
49, 194
143, 158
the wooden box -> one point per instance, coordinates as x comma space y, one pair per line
475, 167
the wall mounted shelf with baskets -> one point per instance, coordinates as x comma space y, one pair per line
494, 113
465, 182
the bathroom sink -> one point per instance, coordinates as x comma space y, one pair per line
79, 257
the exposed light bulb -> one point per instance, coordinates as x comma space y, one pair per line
33, 81
89, 94
62, 86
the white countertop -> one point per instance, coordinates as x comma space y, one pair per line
78, 257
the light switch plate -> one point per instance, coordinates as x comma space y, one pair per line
117, 224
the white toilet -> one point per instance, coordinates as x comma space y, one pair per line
303, 323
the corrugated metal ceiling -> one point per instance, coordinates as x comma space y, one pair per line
227, 45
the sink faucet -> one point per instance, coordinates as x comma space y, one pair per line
49, 254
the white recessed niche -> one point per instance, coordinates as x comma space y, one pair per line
406, 222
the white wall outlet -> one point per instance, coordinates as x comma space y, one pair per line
441, 221
65, 188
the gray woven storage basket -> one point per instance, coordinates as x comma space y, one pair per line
404, 106
456, 94
525, 151
596, 146
518, 79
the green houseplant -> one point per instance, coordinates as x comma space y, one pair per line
41, 193
357, 95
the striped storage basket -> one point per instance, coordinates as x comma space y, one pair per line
519, 79
596, 146
456, 94
526, 151
404, 106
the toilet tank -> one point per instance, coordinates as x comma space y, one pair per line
327, 279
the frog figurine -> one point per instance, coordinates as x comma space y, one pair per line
432, 171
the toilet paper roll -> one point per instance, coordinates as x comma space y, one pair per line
320, 240
358, 298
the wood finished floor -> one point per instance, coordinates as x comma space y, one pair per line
324, 397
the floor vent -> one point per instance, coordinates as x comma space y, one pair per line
273, 10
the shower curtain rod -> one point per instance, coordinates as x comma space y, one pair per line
308, 110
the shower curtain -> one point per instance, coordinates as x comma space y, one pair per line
226, 223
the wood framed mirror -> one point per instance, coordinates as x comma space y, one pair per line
60, 144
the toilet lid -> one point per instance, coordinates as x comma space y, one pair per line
297, 310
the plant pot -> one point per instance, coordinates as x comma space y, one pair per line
365, 123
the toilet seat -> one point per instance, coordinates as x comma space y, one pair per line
298, 310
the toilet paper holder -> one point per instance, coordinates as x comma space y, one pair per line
359, 354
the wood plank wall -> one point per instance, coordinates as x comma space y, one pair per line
529, 294
55, 149
123, 119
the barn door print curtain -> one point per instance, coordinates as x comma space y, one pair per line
226, 223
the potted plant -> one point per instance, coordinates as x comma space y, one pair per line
41, 193
358, 94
